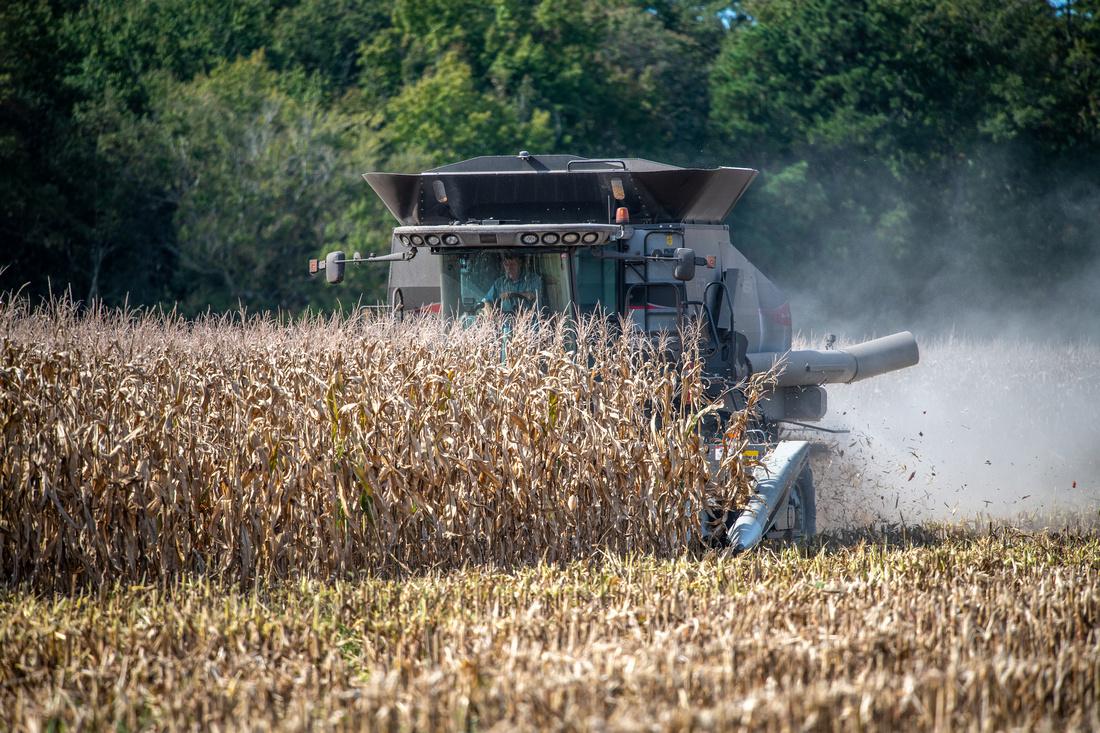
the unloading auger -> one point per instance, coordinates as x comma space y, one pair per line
646, 240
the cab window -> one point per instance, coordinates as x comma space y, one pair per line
597, 283
507, 280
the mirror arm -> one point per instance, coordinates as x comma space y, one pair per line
699, 261
393, 257
316, 266
601, 254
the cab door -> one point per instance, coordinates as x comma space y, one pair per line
654, 299
596, 283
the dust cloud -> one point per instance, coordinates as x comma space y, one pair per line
1001, 417
994, 428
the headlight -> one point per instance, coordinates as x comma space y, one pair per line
570, 238
405, 240
451, 239
550, 238
529, 238
433, 239
417, 239
590, 237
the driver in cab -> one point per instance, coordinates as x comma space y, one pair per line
516, 286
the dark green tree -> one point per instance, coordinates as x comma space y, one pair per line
261, 181
927, 143
198, 151
323, 38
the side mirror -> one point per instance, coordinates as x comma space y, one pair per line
685, 264
334, 267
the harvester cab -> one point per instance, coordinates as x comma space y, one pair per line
570, 235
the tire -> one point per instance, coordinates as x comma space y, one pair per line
805, 496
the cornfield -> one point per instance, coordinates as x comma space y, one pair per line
141, 447
351, 523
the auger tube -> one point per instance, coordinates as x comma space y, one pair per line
862, 361
776, 474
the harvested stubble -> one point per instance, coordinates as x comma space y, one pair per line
941, 630
143, 447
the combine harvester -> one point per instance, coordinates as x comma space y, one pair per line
646, 240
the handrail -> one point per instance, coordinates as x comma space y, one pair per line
604, 161
726, 292
703, 307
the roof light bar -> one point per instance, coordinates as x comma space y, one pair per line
495, 233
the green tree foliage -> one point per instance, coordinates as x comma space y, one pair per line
197, 152
912, 138
74, 199
35, 222
119, 43
579, 76
443, 114
261, 181
908, 82
323, 37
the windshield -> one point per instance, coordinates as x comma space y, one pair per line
508, 281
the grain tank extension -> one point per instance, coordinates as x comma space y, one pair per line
570, 235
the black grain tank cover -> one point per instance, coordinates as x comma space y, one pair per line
559, 189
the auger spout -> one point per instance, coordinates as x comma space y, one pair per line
862, 361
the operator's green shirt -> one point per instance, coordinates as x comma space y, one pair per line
526, 283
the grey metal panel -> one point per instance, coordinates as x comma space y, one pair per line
417, 278
885, 354
694, 194
679, 194
805, 403
862, 361
516, 164
400, 192
636, 165
417, 297
507, 164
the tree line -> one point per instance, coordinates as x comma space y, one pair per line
196, 152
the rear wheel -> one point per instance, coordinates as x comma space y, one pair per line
798, 519
802, 506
